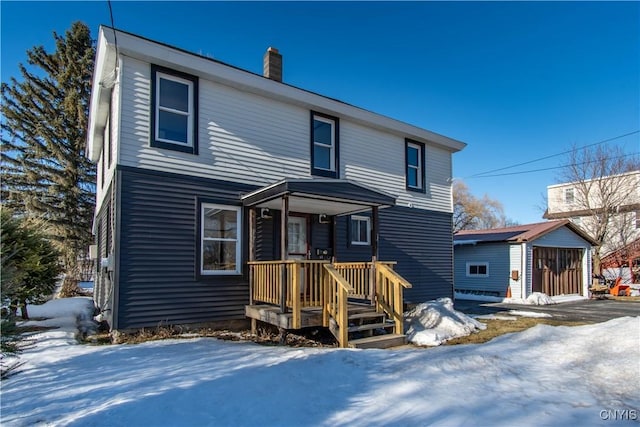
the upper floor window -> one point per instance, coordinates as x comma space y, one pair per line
360, 230
477, 269
414, 159
175, 109
637, 219
569, 196
324, 145
220, 239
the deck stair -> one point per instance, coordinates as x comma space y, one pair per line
369, 328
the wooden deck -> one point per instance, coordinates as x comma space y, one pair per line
294, 294
310, 316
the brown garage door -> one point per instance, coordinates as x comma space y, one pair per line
557, 271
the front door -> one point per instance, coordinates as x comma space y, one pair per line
298, 238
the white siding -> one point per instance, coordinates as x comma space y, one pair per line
113, 120
529, 275
250, 139
515, 263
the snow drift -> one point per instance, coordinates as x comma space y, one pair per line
434, 322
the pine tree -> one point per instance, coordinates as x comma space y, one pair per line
45, 174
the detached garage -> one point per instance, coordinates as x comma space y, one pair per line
551, 257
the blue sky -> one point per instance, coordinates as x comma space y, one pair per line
516, 81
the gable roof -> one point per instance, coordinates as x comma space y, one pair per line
517, 234
106, 74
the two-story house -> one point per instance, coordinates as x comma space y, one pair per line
219, 189
607, 208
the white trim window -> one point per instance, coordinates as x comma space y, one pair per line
174, 102
324, 145
477, 269
414, 166
220, 249
360, 230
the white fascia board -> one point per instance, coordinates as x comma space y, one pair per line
104, 76
156, 53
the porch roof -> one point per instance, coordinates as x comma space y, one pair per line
319, 196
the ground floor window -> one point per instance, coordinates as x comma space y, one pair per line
360, 230
477, 269
220, 234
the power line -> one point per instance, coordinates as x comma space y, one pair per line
113, 28
478, 175
550, 168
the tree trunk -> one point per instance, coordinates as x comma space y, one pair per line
23, 310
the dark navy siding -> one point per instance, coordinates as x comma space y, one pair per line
265, 239
421, 242
158, 280
103, 285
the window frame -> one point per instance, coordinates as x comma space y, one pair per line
334, 157
421, 187
157, 73
359, 219
202, 205
470, 264
573, 196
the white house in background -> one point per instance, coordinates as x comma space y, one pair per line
551, 257
582, 203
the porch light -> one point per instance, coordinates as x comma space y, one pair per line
265, 213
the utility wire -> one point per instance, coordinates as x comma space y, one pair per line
483, 174
113, 28
550, 168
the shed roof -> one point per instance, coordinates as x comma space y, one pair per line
518, 233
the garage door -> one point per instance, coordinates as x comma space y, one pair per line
557, 271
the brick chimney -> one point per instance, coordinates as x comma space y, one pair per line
272, 64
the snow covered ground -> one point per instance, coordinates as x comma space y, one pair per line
586, 375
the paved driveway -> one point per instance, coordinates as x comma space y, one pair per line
592, 310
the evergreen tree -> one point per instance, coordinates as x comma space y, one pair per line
30, 265
45, 174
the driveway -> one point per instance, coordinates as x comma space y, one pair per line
591, 310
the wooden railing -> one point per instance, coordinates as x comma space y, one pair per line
359, 275
389, 287
296, 284
291, 284
337, 291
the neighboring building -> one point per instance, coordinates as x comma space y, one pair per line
202, 166
623, 262
550, 257
582, 203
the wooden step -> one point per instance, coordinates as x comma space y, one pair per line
371, 326
379, 341
366, 315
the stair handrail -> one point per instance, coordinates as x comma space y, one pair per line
390, 300
337, 289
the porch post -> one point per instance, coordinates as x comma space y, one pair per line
284, 250
334, 238
252, 250
374, 253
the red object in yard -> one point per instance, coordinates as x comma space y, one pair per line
619, 289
